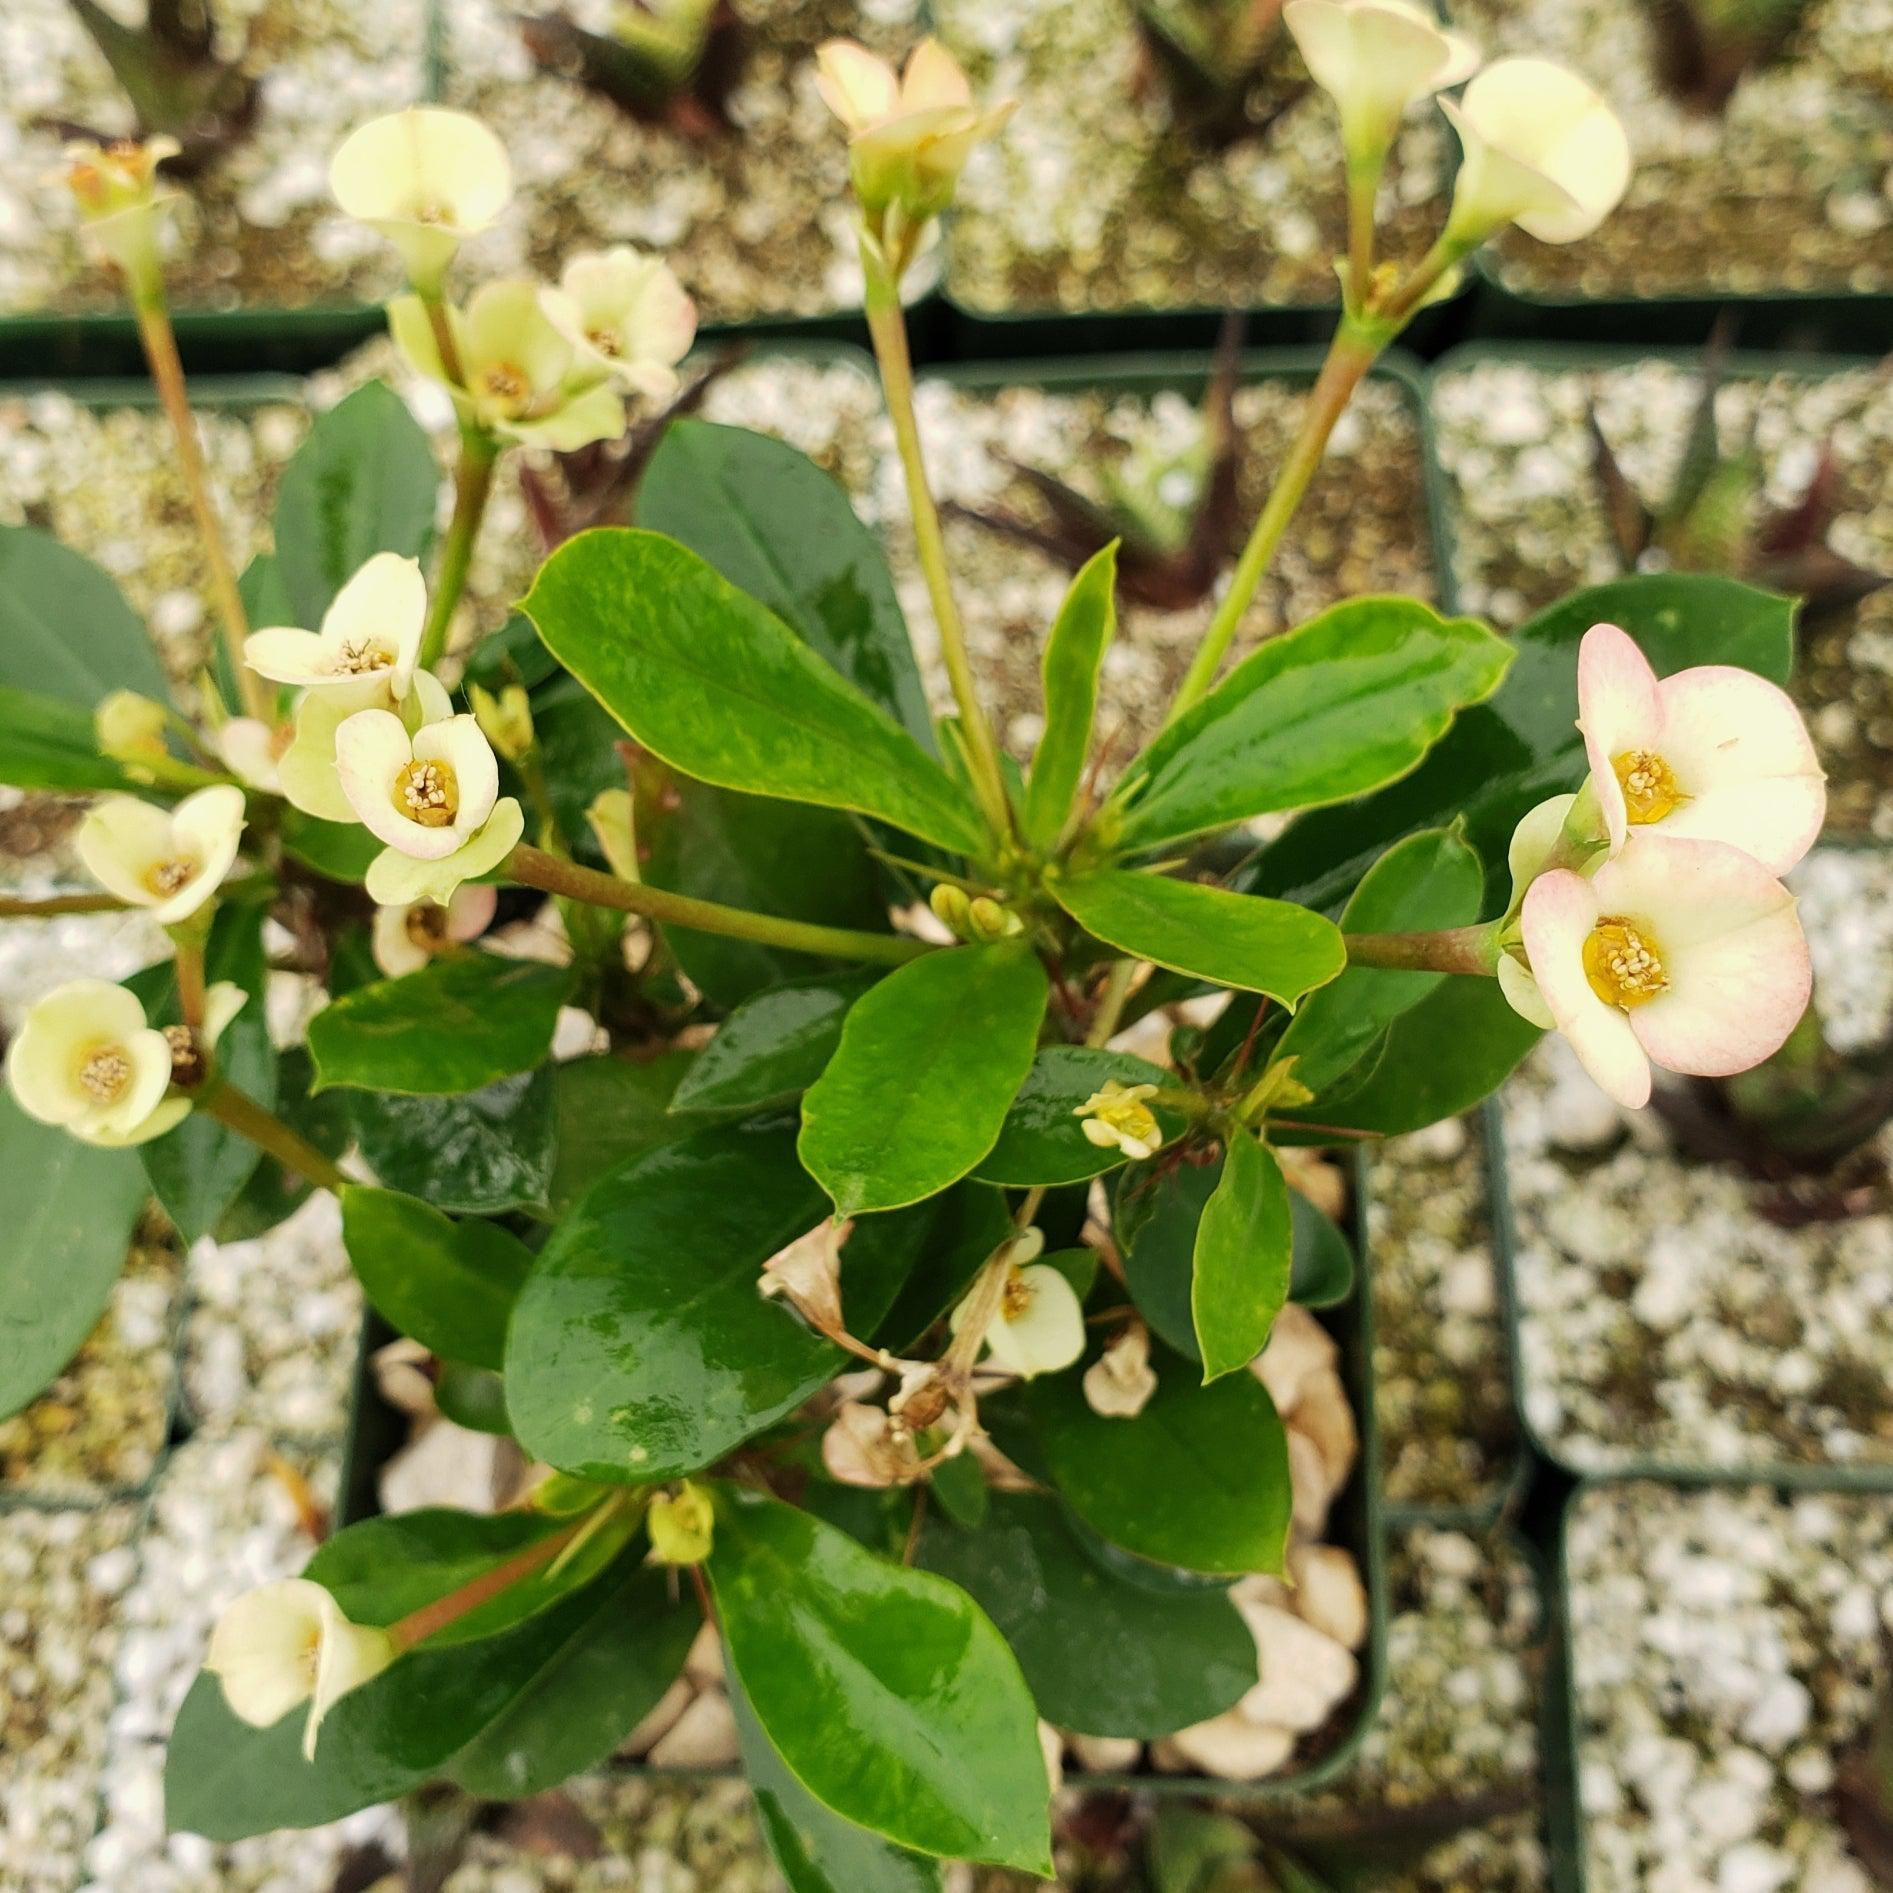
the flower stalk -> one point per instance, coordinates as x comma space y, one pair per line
535, 867
473, 486
1453, 950
241, 1113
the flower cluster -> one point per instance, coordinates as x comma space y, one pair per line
524, 362
1648, 924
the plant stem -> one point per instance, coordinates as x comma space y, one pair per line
418, 1625
12, 908
268, 1132
473, 483
1117, 990
190, 982
536, 868
167, 372
1453, 950
887, 325
1350, 355
1363, 187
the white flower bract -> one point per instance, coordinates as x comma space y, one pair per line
405, 938
365, 653
426, 794
170, 862
1376, 59
627, 318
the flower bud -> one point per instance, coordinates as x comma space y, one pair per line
682, 1525
952, 909
808, 1274
130, 728
1542, 150
288, 1643
169, 861
116, 188
505, 720
990, 921
405, 939
612, 818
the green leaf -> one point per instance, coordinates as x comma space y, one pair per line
48, 743
1323, 1275
226, 1781
887, 1692
65, 628
722, 689
930, 1059
1156, 1214
1198, 1480
479, 1153
641, 1349
462, 1021
1103, 1656
1043, 1140
363, 482
449, 1285
69, 1210
772, 1047
779, 528
1457, 1046
339, 851
815, 1849
1189, 1845
1086, 623
1244, 1251
959, 1486
781, 858
274, 1191
1504, 757
607, 1109
1260, 946
1429, 881
198, 1170
1349, 701
473, 1397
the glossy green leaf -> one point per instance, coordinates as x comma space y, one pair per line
339, 851
1244, 1254
65, 628
1081, 633
1456, 1047
959, 1487
772, 1047
1156, 1212
1043, 1140
966, 1224
1103, 1657
363, 482
1349, 701
197, 1170
1260, 946
640, 1348
1323, 1275
449, 1285
69, 1210
47, 743
782, 858
473, 1397
1428, 881
476, 1154
226, 1781
462, 1021
814, 1848
779, 528
722, 689
1502, 758
887, 1692
1199, 1479
274, 1191
929, 1062
606, 1109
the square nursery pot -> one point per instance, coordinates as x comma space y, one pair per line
1526, 521
748, 201
263, 271
1774, 207
377, 1432
1098, 424
1727, 1664
1098, 218
1450, 1446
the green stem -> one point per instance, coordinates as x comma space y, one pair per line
887, 325
1350, 355
473, 484
191, 993
1363, 187
167, 373
1453, 950
268, 1132
1117, 990
20, 908
534, 867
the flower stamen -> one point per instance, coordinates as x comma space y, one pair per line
105, 1071
1623, 966
1016, 1298
358, 656
426, 792
164, 878
506, 386
1649, 784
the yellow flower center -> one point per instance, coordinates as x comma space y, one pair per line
427, 926
358, 656
505, 386
606, 341
104, 1072
1623, 965
1016, 1298
1649, 785
165, 878
425, 792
